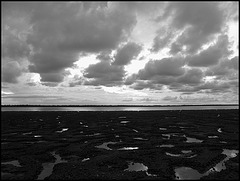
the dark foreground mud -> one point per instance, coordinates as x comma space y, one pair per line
145, 145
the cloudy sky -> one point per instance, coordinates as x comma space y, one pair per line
120, 52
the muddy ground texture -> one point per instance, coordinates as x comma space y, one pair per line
30, 137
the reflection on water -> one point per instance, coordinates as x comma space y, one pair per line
128, 148
27, 133
136, 167
104, 145
124, 122
116, 108
135, 130
212, 136
167, 146
174, 155
14, 162
48, 167
140, 139
192, 140
221, 165
85, 159
64, 129
187, 173
37, 136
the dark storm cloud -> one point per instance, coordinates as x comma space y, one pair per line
211, 55
62, 31
105, 55
126, 53
191, 77
52, 77
164, 67
201, 20
226, 69
13, 47
11, 70
160, 42
103, 73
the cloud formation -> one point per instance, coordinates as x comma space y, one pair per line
200, 22
104, 73
126, 53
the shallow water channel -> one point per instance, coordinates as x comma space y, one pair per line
48, 167
187, 173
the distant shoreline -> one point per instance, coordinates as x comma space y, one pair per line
116, 105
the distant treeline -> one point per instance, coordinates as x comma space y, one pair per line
26, 105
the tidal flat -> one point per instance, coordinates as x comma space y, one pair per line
106, 144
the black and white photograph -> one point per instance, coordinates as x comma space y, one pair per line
119, 90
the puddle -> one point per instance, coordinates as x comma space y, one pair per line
186, 151
135, 130
167, 135
81, 123
174, 155
27, 133
14, 163
95, 134
219, 130
221, 165
140, 139
163, 128
86, 126
12, 133
104, 145
48, 167
37, 136
85, 159
136, 167
186, 154
122, 117
223, 142
128, 148
117, 136
212, 136
64, 129
170, 134
184, 173
124, 122
167, 146
192, 140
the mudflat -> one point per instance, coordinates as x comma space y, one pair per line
142, 145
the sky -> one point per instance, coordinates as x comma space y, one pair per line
127, 53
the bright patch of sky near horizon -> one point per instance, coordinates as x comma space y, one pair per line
120, 53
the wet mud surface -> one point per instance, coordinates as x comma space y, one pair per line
132, 145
